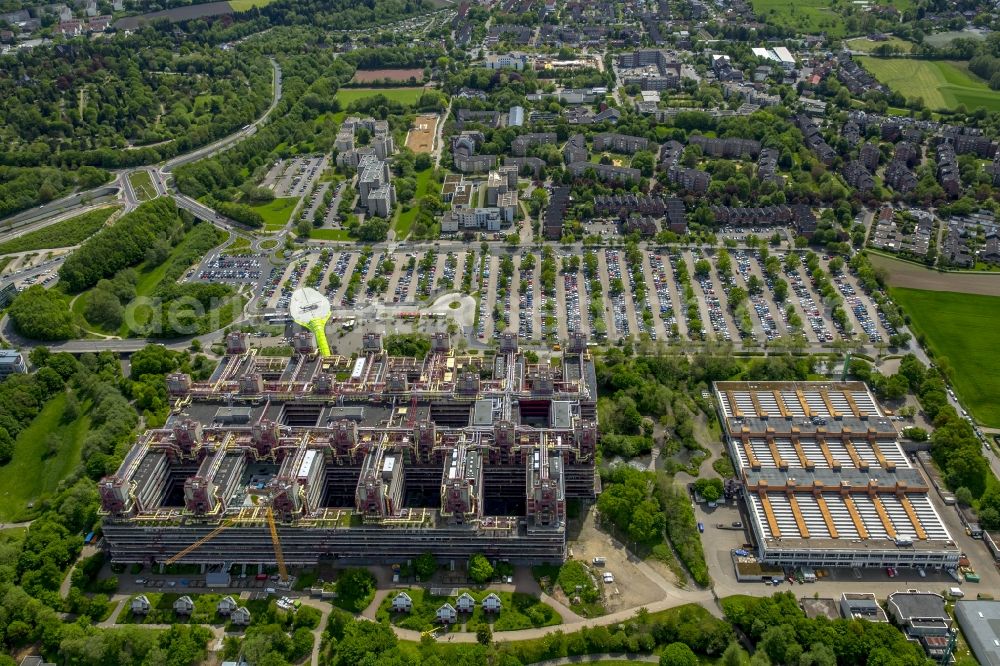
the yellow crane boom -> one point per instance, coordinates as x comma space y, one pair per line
278, 554
200, 542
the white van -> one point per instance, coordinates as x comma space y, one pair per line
956, 592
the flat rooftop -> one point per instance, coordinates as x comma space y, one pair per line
822, 468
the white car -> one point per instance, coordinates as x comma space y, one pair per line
609, 577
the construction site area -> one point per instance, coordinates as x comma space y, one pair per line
825, 479
420, 138
371, 458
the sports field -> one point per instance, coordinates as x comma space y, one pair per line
942, 84
401, 95
961, 328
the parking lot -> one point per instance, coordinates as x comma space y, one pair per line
294, 178
658, 293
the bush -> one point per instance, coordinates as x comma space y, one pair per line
480, 569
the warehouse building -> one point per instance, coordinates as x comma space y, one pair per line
370, 458
825, 480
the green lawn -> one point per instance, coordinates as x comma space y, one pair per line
69, 232
963, 329
401, 95
330, 234
244, 5
143, 185
36, 470
942, 84
277, 212
402, 221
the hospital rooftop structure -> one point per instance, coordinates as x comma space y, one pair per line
825, 480
369, 458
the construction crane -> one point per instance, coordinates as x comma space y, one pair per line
278, 554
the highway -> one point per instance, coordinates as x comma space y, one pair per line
121, 187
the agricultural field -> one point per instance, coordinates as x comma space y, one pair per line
962, 329
69, 232
401, 95
44, 454
143, 185
942, 84
276, 212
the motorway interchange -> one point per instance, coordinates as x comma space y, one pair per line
615, 301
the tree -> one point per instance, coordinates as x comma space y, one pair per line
780, 644
353, 588
678, 654
104, 309
735, 656
484, 635
480, 569
425, 565
373, 230
42, 314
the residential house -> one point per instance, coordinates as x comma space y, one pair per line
140, 605
692, 180
521, 144
869, 157
947, 170
491, 603
526, 164
465, 603
858, 177
184, 605
402, 603
71, 28
730, 148
575, 149
606, 172
552, 223
240, 616
226, 606
447, 614
619, 143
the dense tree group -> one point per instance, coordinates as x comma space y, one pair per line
122, 245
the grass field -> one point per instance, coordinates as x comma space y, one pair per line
942, 84
277, 212
808, 16
69, 232
961, 328
868, 45
401, 95
244, 5
36, 470
143, 185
